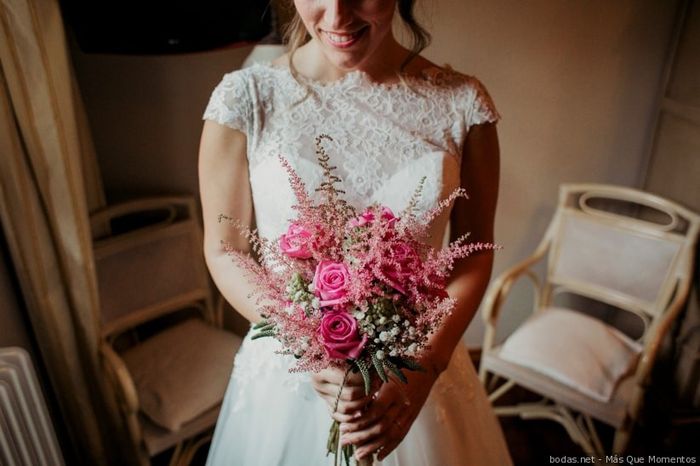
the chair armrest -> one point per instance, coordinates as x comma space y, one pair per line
135, 206
118, 372
100, 219
500, 288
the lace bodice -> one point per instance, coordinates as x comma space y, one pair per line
386, 137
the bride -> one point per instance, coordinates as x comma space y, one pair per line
394, 118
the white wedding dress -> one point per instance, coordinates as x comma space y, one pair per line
386, 137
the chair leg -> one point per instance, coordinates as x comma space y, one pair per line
585, 437
593, 433
621, 439
500, 391
483, 374
488, 379
564, 417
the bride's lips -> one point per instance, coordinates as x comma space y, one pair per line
343, 39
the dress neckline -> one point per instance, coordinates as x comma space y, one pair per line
432, 73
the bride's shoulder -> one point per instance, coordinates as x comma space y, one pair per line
444, 78
462, 88
257, 81
254, 72
447, 77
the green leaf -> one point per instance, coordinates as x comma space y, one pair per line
332, 437
261, 324
364, 370
269, 333
266, 328
397, 372
410, 364
347, 453
379, 368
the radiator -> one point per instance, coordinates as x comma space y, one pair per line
27, 437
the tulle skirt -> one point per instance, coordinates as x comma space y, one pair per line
270, 417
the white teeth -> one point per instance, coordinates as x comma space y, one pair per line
340, 38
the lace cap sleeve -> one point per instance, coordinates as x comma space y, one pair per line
230, 103
481, 108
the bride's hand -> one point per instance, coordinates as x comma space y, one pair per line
389, 417
352, 399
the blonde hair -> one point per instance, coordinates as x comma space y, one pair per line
296, 35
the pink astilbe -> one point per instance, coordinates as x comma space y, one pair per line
273, 264
418, 226
270, 287
298, 187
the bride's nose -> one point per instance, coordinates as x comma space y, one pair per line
339, 14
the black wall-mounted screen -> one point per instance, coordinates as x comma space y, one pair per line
162, 26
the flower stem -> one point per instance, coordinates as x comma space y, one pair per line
337, 397
333, 444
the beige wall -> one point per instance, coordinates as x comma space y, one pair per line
145, 115
575, 81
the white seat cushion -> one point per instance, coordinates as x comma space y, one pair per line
182, 372
575, 349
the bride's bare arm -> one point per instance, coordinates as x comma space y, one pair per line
476, 215
224, 188
385, 424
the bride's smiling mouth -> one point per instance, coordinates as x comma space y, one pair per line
343, 40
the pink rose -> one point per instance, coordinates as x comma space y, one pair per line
295, 243
401, 262
340, 337
331, 282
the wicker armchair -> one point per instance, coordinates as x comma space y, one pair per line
624, 249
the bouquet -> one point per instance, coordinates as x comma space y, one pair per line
357, 290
